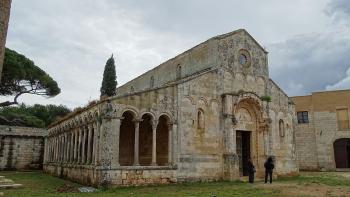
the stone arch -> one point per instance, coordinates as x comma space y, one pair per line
145, 139
149, 114
168, 116
341, 149
127, 138
129, 109
162, 146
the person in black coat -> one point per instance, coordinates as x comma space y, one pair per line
251, 171
269, 166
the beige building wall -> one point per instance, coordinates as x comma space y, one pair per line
315, 139
5, 7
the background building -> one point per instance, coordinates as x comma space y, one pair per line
21, 148
323, 130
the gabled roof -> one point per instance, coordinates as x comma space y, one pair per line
236, 32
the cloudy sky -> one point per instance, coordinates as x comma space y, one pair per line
308, 40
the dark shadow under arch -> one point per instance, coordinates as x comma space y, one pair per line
145, 141
127, 139
162, 140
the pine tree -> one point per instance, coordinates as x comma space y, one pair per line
109, 82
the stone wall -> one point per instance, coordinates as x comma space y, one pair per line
5, 7
21, 148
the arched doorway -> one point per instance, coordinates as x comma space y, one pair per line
127, 139
162, 140
247, 115
145, 141
342, 153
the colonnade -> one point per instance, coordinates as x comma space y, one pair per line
72, 145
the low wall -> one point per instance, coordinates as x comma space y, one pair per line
21, 148
121, 176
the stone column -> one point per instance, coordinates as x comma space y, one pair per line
65, 147
5, 7
75, 154
136, 147
71, 145
170, 143
154, 143
79, 144
56, 148
116, 137
95, 154
45, 150
83, 160
175, 144
62, 148
88, 160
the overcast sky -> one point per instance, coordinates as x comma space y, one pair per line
308, 40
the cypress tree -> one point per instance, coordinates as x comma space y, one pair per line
109, 82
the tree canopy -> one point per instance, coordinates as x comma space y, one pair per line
109, 82
32, 116
21, 76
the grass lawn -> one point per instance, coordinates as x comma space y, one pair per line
307, 184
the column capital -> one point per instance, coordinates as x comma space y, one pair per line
137, 120
154, 124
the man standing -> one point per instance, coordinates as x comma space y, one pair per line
251, 170
269, 166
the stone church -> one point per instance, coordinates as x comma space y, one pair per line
197, 117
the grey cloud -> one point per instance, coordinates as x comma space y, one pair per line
338, 7
309, 63
72, 40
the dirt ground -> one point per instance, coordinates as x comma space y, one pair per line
319, 186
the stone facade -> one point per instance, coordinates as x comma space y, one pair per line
196, 117
21, 148
316, 138
5, 7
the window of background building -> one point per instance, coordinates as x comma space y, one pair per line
303, 117
343, 118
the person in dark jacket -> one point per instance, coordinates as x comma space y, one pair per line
251, 171
269, 166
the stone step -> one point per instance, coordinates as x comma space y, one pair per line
10, 186
342, 170
6, 181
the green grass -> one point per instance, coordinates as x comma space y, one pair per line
39, 184
319, 178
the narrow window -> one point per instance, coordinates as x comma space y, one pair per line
303, 117
281, 128
178, 71
152, 82
200, 119
132, 89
